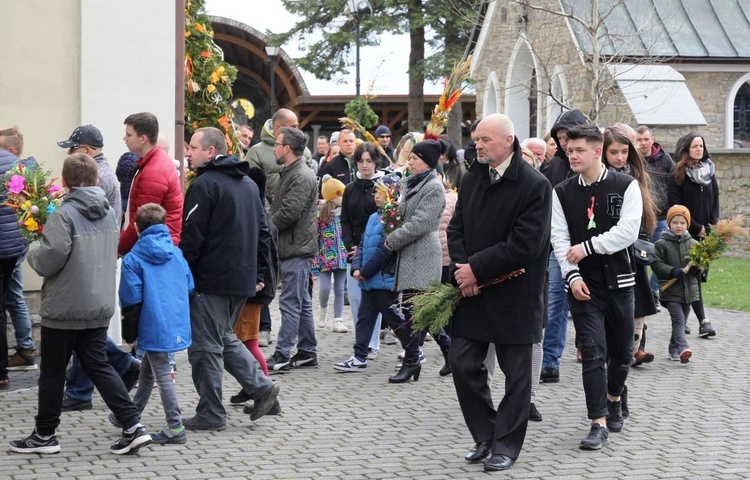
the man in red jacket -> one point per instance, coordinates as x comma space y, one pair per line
155, 181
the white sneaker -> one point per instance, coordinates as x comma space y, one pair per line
339, 326
264, 338
372, 354
321, 322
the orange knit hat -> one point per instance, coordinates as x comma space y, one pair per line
678, 210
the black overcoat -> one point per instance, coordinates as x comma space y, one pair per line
498, 228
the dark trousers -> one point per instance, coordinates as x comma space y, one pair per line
409, 341
604, 333
382, 302
265, 319
506, 425
90, 346
7, 265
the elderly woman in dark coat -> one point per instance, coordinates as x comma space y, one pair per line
417, 242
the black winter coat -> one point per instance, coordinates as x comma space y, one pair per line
499, 228
225, 236
658, 166
357, 205
701, 200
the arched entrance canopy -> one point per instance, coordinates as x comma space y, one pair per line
244, 47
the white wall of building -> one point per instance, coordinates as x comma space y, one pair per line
127, 66
70, 62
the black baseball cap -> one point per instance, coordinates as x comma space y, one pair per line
84, 135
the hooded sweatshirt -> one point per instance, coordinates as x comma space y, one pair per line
559, 166
155, 275
77, 256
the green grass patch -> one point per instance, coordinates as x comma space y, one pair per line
728, 284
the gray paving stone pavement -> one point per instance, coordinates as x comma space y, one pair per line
687, 421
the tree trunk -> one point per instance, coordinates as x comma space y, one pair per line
416, 77
453, 129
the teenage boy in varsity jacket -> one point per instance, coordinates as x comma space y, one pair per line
595, 219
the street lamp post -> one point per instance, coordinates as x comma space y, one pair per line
355, 8
272, 53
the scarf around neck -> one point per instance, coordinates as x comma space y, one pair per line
414, 180
702, 173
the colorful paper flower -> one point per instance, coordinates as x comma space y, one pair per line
31, 224
16, 184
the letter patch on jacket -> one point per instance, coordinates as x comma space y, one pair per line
614, 205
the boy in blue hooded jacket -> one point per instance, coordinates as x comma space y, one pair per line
370, 266
155, 289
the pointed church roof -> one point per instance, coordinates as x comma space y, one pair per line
670, 29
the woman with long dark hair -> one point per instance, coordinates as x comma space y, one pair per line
693, 184
621, 156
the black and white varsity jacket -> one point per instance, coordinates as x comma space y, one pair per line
616, 204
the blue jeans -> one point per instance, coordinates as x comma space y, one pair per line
355, 298
557, 317
79, 386
295, 304
15, 304
661, 225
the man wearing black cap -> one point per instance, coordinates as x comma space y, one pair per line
88, 139
383, 136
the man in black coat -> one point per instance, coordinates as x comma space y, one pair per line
501, 224
225, 239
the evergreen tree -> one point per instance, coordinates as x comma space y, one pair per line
327, 37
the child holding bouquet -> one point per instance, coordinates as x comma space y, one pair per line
669, 260
372, 269
330, 262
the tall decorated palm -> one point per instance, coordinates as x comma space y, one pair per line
208, 78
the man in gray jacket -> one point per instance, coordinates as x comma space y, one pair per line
293, 214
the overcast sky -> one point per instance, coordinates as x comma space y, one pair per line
386, 65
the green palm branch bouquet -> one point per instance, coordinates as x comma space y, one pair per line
433, 308
713, 245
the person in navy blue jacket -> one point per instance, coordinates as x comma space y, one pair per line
155, 289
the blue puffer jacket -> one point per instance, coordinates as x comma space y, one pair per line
12, 243
371, 256
156, 275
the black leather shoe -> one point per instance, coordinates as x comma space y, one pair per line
550, 375
497, 463
534, 415
480, 451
